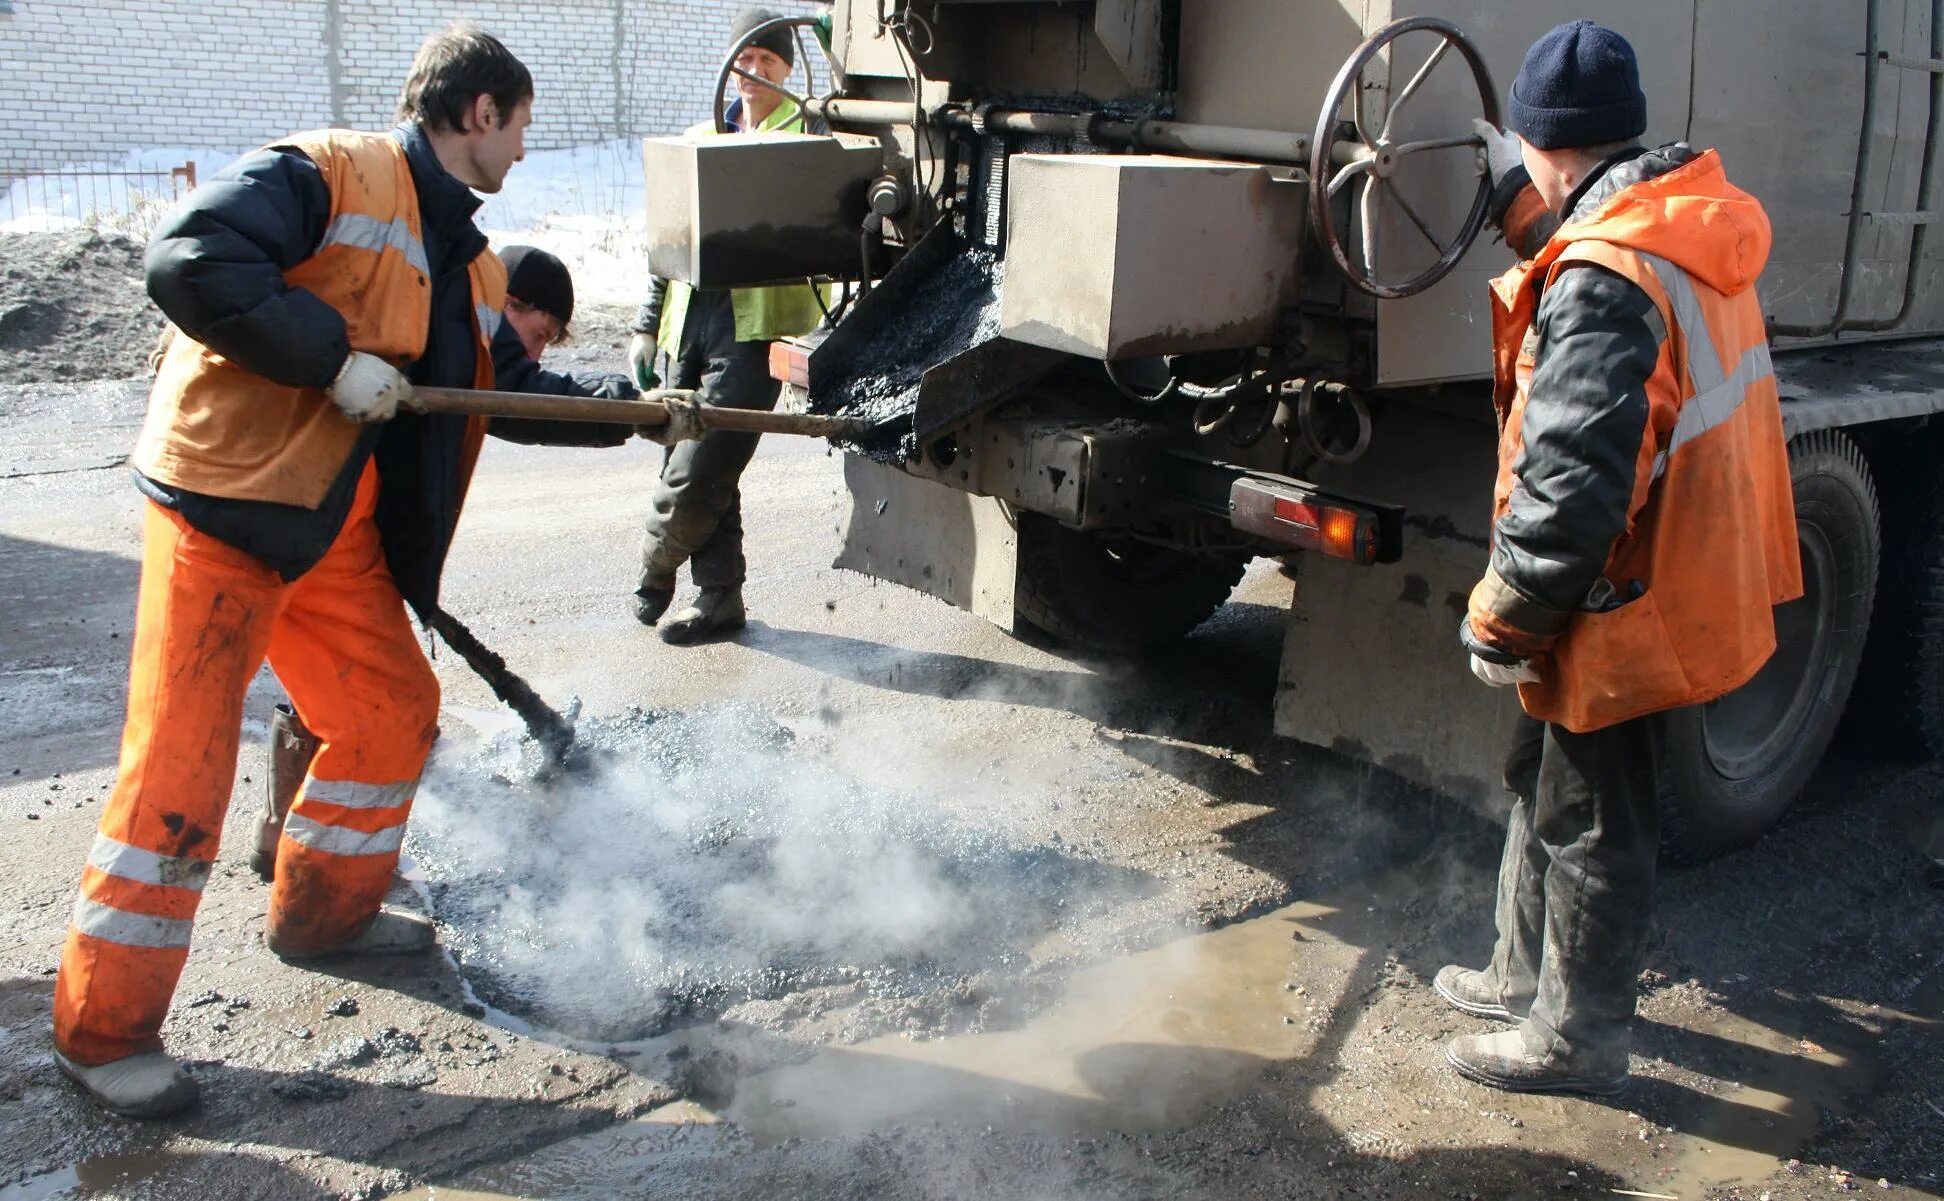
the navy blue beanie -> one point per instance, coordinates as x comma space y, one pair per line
1579, 86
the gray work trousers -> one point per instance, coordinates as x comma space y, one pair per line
1576, 883
695, 511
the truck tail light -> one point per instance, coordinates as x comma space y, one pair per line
789, 361
1304, 520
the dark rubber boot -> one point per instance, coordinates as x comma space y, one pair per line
716, 611
292, 747
652, 599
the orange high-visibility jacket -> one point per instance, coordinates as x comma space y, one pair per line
1710, 547
217, 429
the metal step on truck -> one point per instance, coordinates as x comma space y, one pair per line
1144, 289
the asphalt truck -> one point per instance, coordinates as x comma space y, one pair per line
1140, 290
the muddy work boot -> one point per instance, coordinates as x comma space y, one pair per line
141, 1086
392, 932
1504, 1061
652, 598
292, 747
1472, 992
716, 611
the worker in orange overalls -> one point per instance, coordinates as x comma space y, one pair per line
1643, 532
291, 506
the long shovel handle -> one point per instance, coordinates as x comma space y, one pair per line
544, 724
647, 411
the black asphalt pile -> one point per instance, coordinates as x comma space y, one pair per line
705, 862
936, 306
73, 307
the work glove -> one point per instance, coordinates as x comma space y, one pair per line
1498, 675
684, 422
1500, 155
367, 388
641, 357
612, 387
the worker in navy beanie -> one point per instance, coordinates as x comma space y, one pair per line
1615, 540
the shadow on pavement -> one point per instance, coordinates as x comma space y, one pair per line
65, 622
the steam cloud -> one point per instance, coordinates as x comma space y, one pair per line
706, 860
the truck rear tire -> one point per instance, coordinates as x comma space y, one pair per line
1735, 765
1109, 591
1916, 696
1898, 709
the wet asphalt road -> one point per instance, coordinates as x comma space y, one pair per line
1207, 977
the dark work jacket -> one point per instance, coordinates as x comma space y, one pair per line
513, 371
1599, 337
215, 268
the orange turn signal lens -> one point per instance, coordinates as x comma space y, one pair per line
1340, 534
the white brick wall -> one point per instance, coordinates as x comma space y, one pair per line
87, 80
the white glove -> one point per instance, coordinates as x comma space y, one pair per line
641, 358
684, 422
1500, 153
1498, 675
367, 388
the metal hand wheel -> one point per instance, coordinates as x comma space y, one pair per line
1345, 153
729, 68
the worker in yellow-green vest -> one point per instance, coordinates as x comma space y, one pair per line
716, 340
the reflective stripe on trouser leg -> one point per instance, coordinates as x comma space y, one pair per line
334, 865
203, 621
344, 649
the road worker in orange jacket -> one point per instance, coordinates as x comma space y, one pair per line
1643, 532
291, 508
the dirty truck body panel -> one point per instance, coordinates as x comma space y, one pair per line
1159, 340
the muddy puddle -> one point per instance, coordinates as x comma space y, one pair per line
103, 1175
1141, 1043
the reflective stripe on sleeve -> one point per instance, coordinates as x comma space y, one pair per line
335, 840
350, 794
129, 929
369, 233
146, 867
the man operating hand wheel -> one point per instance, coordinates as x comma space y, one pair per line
1643, 531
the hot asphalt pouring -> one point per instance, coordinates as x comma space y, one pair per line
879, 902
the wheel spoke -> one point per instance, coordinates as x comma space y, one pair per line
1368, 213
1468, 141
1349, 173
1410, 89
1423, 228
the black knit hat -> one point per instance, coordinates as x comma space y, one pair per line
539, 279
1579, 86
777, 41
